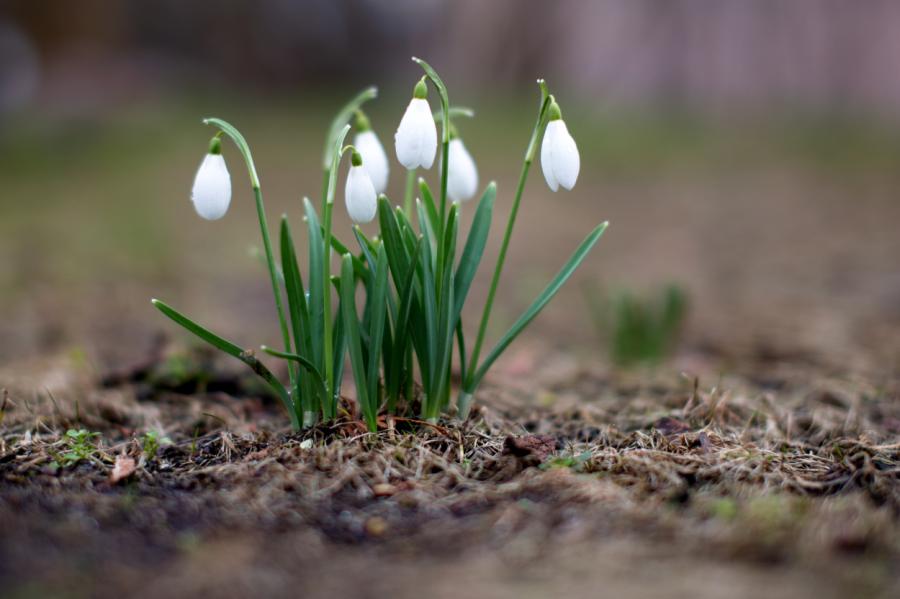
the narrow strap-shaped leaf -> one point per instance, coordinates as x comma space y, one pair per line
316, 283
474, 248
232, 349
339, 349
359, 267
552, 288
377, 324
398, 260
461, 347
351, 326
299, 312
446, 307
306, 364
455, 111
401, 340
429, 295
427, 199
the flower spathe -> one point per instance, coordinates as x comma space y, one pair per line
559, 154
211, 193
374, 158
359, 193
462, 175
416, 138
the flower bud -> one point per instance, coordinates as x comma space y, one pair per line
374, 158
211, 193
462, 175
416, 138
359, 193
559, 154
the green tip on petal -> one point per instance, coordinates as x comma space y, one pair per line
215, 145
421, 89
355, 158
553, 112
362, 122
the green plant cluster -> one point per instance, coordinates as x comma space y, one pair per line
415, 275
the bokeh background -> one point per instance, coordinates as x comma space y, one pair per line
747, 151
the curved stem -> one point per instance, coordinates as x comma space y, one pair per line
469, 383
244, 148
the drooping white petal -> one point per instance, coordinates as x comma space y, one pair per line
374, 157
462, 175
559, 156
416, 137
359, 195
211, 193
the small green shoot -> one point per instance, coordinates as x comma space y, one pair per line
638, 330
151, 442
78, 445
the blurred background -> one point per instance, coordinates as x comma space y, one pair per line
747, 152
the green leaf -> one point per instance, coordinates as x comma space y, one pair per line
474, 249
377, 324
298, 310
455, 111
429, 298
231, 349
342, 118
316, 282
401, 339
552, 288
351, 326
431, 211
306, 364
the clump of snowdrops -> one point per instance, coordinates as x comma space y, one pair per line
405, 332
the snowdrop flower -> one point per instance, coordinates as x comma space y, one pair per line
559, 154
359, 194
416, 137
211, 193
372, 152
462, 176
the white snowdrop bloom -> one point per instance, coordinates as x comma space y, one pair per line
462, 175
416, 137
559, 154
374, 158
211, 193
359, 194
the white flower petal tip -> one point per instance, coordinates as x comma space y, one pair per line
360, 196
211, 193
559, 156
416, 138
462, 175
374, 158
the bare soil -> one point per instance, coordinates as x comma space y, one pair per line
581, 482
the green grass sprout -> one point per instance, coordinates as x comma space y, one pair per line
640, 330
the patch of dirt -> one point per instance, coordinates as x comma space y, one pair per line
650, 485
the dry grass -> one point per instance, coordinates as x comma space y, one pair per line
809, 476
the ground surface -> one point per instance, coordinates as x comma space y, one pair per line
629, 484
762, 460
